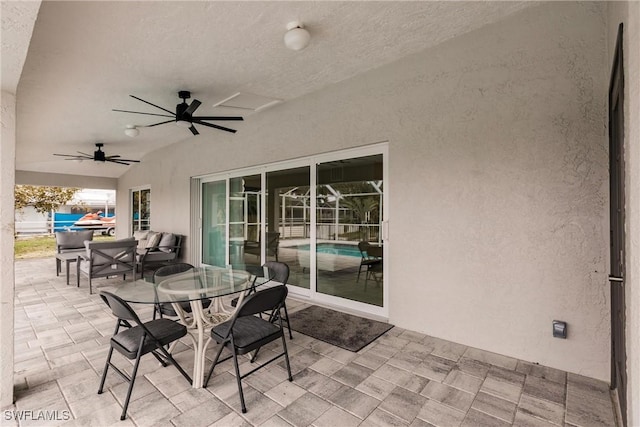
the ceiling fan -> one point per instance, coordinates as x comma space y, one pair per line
98, 156
183, 117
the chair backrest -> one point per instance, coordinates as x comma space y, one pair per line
119, 307
374, 251
263, 300
116, 252
363, 246
72, 240
178, 245
279, 271
171, 269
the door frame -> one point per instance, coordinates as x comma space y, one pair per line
617, 228
311, 161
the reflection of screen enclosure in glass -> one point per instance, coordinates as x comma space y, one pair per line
347, 227
349, 210
288, 221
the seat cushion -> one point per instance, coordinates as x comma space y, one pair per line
165, 331
153, 239
166, 241
247, 331
141, 237
66, 240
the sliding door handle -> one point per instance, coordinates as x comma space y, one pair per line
615, 279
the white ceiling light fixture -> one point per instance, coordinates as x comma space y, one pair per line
132, 131
296, 37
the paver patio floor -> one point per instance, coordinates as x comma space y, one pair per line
404, 378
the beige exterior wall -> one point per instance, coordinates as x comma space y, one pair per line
18, 19
498, 180
7, 172
629, 14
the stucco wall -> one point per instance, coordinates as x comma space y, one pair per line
511, 164
629, 14
498, 180
7, 168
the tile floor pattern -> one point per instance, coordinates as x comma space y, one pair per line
402, 379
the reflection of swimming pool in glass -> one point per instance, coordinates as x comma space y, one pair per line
333, 248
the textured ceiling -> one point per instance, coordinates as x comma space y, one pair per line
85, 58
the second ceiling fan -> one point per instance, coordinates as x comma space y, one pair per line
183, 115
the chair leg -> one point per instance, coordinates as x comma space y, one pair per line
159, 359
359, 270
215, 361
157, 310
133, 380
175, 363
286, 315
367, 273
239, 380
106, 368
286, 358
255, 354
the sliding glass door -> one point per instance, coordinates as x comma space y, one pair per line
349, 206
214, 223
288, 222
231, 221
323, 216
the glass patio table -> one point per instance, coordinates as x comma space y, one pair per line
195, 286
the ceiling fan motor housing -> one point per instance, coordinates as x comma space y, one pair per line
180, 112
98, 155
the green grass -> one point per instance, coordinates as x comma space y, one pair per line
42, 246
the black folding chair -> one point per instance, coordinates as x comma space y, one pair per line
245, 332
138, 340
166, 308
278, 272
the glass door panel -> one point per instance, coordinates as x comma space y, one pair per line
349, 196
214, 223
288, 219
140, 209
244, 220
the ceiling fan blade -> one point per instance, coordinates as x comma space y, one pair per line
214, 126
147, 102
193, 107
112, 157
73, 156
125, 160
236, 118
194, 130
118, 162
139, 112
156, 124
86, 154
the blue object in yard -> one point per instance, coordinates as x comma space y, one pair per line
65, 221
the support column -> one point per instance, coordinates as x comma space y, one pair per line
7, 226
